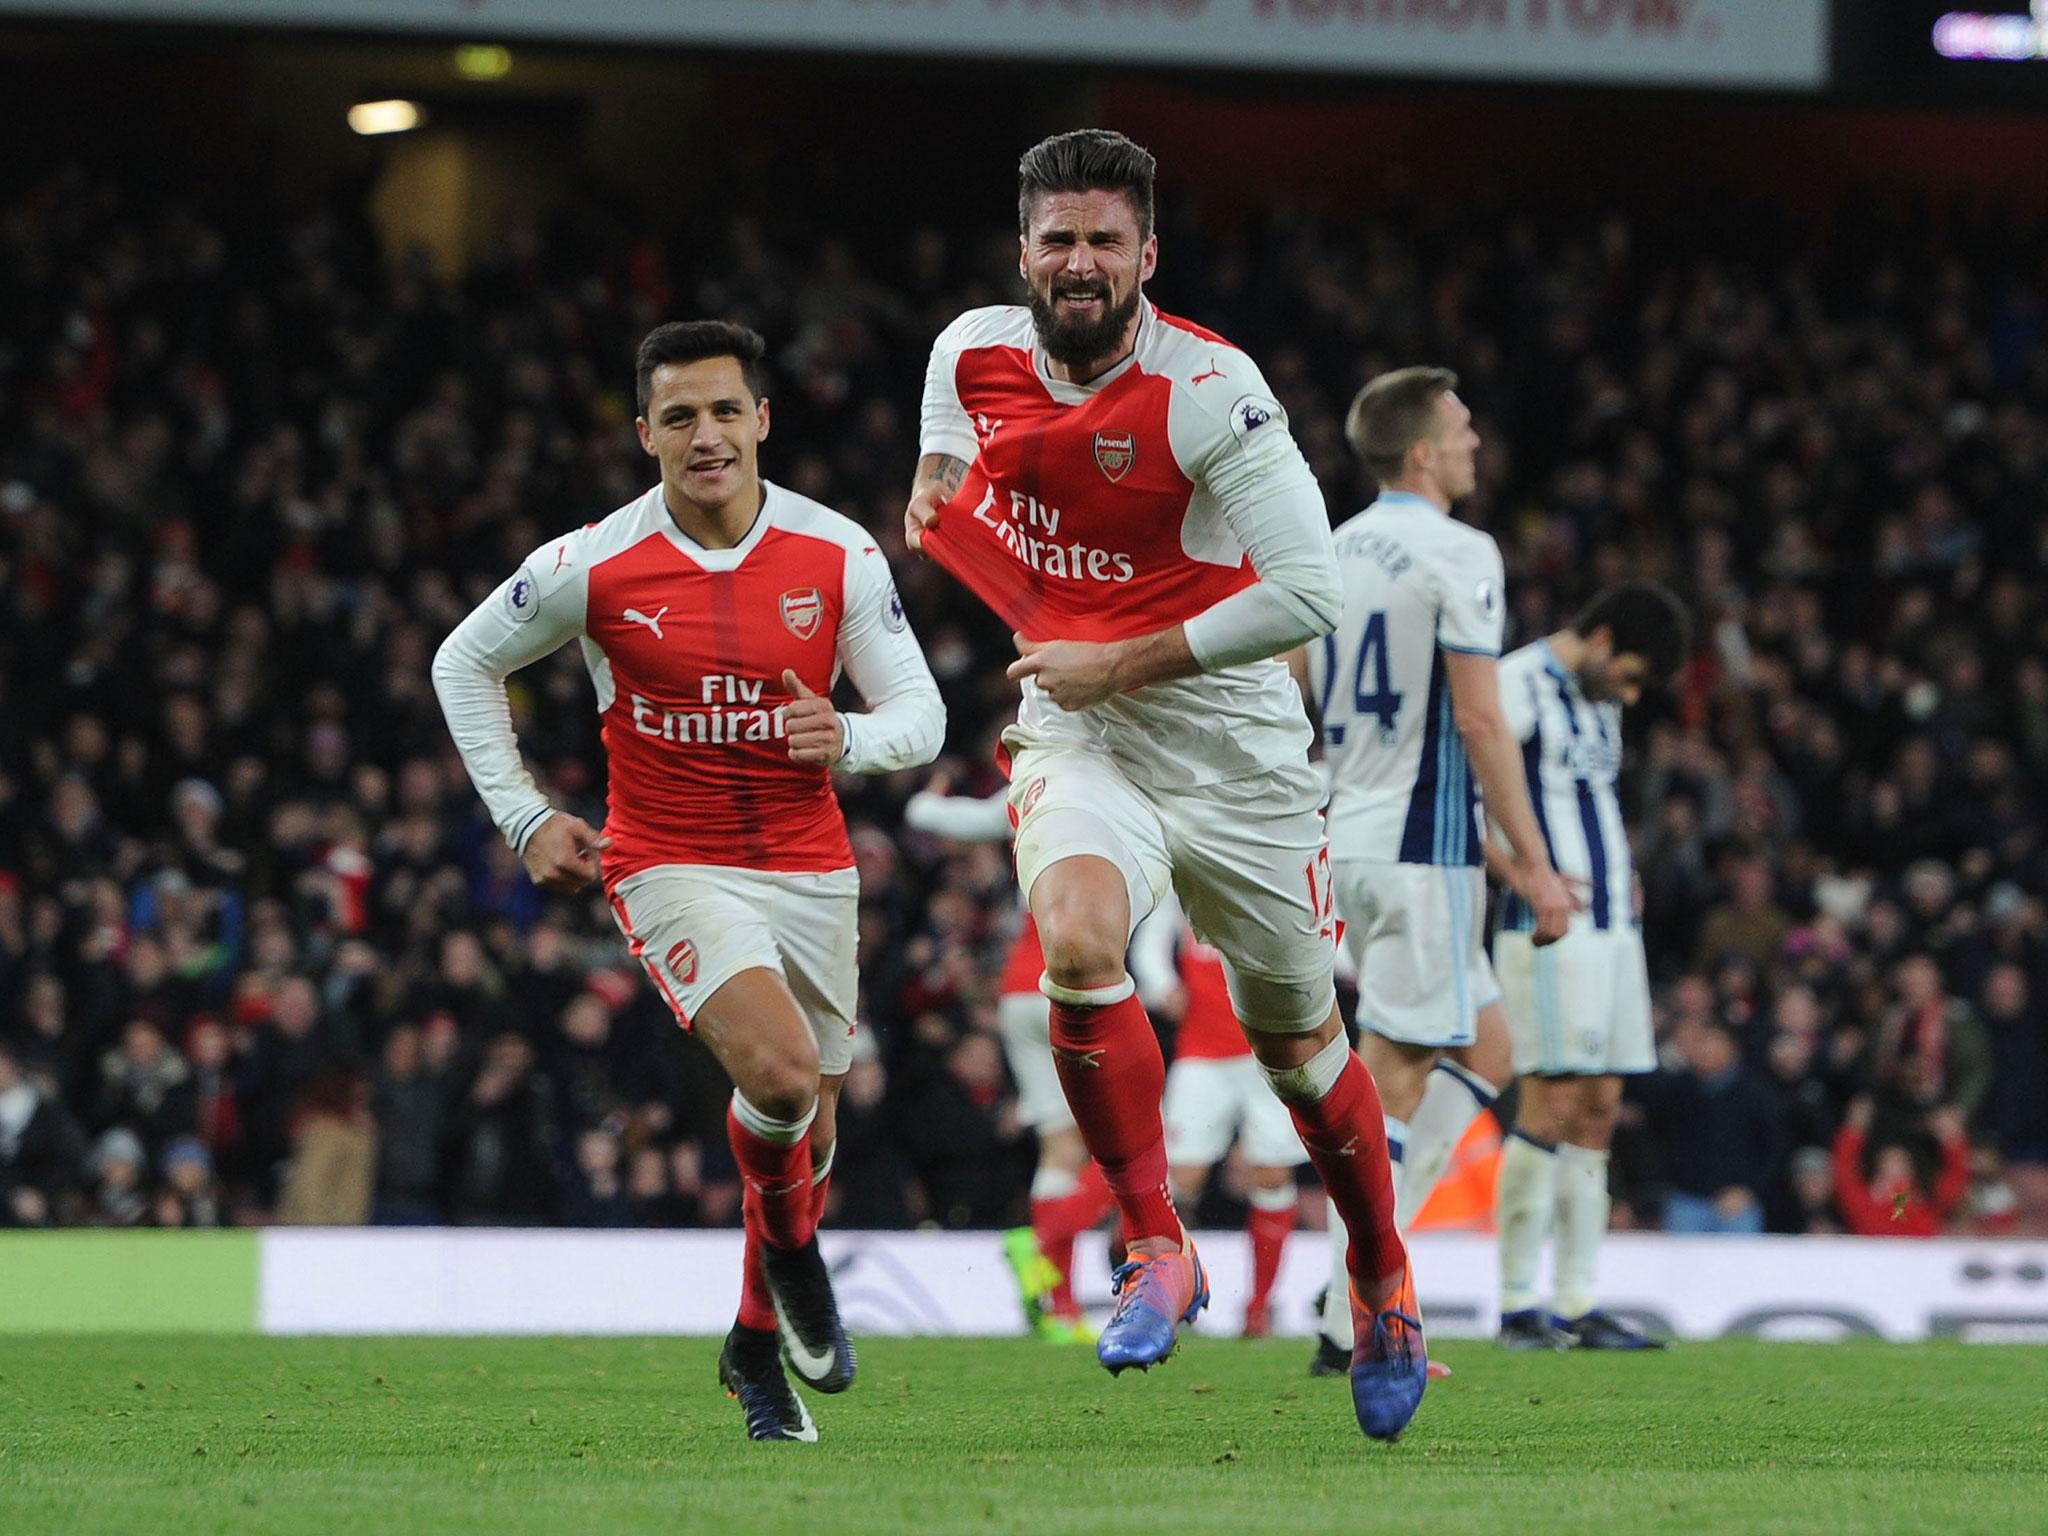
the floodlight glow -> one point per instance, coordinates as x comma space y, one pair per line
483, 61
1973, 35
368, 117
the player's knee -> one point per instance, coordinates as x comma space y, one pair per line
1594, 1118
1081, 949
1537, 1113
1083, 913
785, 1081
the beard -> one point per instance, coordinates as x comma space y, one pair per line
1073, 342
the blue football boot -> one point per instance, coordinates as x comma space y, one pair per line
1154, 1295
1389, 1362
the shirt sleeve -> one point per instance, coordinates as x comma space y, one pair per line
1471, 613
963, 818
944, 425
905, 721
1247, 462
1518, 698
531, 615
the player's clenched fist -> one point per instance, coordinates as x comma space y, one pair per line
816, 736
562, 853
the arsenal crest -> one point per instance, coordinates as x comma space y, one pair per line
1114, 452
682, 961
802, 608
1032, 796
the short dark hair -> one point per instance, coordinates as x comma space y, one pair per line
1645, 619
1086, 160
1392, 414
691, 341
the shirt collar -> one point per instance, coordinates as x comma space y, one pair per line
1407, 499
1556, 668
719, 559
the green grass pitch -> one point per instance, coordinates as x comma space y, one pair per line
938, 1437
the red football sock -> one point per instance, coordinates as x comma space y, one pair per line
757, 1302
1346, 1136
1268, 1231
1113, 1074
778, 1175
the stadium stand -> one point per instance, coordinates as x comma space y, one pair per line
261, 958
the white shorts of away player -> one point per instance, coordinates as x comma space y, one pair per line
1579, 1007
696, 926
1414, 933
1025, 1021
1246, 857
1212, 1100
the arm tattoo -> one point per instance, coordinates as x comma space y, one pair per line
943, 471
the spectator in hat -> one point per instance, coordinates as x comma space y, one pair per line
120, 1172
189, 1195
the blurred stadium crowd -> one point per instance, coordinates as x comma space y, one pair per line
262, 958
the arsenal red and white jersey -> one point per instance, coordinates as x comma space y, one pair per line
1120, 507
686, 646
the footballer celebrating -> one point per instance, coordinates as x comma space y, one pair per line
715, 613
1120, 486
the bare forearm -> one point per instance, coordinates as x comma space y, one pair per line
1500, 863
1158, 657
940, 473
1491, 746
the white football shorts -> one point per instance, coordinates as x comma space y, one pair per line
696, 926
1211, 1100
1414, 932
1246, 857
1579, 1007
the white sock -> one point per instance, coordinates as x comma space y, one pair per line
1337, 1303
783, 1132
1582, 1207
1453, 1099
1523, 1202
